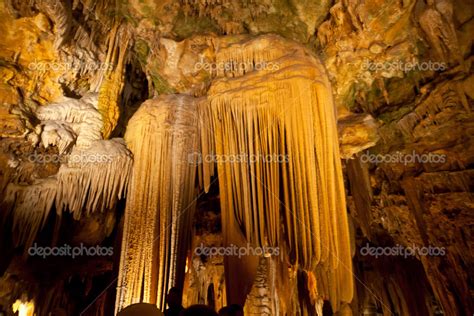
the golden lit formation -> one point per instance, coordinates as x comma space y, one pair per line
284, 110
236, 157
24, 308
160, 203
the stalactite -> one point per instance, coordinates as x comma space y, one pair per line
113, 81
91, 177
71, 121
59, 135
286, 112
436, 21
161, 135
414, 196
94, 178
59, 12
31, 205
441, 98
361, 191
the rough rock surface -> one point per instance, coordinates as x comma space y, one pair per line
403, 85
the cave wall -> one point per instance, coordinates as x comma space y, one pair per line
402, 81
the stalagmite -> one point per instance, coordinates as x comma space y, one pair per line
162, 135
24, 308
261, 299
282, 115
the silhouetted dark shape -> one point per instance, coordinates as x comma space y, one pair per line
141, 309
174, 299
232, 310
198, 310
327, 309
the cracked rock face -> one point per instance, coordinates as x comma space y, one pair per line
73, 74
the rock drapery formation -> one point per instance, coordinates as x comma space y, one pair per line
93, 173
158, 216
269, 100
288, 177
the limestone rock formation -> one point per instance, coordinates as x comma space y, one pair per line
126, 125
161, 135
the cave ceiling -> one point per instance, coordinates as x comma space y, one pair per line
124, 80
